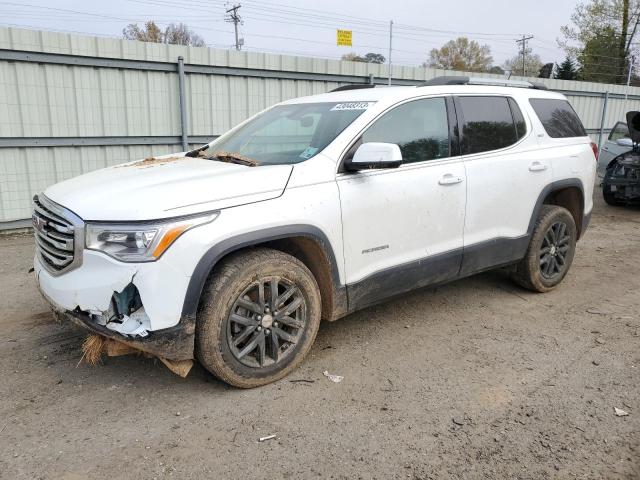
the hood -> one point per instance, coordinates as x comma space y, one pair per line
170, 186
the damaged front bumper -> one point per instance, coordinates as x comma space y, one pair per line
174, 343
139, 305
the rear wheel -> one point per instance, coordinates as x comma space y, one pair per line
550, 251
258, 318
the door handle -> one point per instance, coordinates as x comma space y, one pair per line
537, 167
449, 179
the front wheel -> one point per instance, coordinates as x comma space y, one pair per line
550, 251
258, 317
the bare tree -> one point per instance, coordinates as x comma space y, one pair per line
179, 34
367, 58
532, 64
461, 54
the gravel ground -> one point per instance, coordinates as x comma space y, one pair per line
476, 379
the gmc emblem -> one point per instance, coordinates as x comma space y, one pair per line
38, 223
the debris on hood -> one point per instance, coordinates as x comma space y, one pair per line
152, 161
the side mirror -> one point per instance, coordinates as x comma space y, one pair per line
375, 155
625, 142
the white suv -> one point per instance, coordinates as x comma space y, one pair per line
312, 209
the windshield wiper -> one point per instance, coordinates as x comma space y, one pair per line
230, 157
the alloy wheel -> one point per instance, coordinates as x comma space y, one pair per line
554, 250
266, 322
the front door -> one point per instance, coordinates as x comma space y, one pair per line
403, 227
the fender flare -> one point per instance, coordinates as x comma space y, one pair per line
553, 186
229, 245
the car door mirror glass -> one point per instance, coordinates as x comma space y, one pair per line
375, 155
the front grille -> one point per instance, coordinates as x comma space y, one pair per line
58, 233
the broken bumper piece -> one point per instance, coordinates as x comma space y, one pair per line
174, 343
139, 305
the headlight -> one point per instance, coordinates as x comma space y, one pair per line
139, 242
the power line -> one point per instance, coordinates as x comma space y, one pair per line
524, 40
233, 17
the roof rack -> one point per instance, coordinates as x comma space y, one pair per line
356, 86
463, 80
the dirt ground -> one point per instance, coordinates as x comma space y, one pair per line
476, 379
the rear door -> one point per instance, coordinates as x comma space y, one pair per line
403, 226
505, 175
617, 143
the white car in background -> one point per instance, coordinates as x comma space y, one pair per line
617, 144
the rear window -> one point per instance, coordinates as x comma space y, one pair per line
558, 118
488, 124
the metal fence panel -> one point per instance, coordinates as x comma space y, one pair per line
76, 103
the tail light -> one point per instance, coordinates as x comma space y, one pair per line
594, 147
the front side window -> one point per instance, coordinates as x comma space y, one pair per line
288, 134
488, 124
558, 118
420, 128
619, 131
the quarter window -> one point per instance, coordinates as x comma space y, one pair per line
518, 118
419, 127
558, 118
489, 124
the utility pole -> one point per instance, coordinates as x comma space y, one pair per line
631, 62
390, 47
233, 17
524, 40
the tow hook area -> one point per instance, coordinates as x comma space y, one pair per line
126, 314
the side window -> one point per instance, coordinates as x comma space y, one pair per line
518, 118
619, 131
558, 118
419, 127
488, 124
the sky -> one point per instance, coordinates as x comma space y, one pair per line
308, 27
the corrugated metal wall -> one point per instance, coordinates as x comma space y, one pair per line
48, 101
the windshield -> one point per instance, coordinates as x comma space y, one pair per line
287, 133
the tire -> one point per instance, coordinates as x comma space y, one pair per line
239, 338
609, 196
537, 270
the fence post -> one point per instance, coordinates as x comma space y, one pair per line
370, 79
183, 104
602, 120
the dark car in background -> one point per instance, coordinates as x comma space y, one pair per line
621, 182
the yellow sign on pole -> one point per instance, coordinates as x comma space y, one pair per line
344, 38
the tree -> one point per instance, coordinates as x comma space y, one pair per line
174, 34
367, 58
461, 54
497, 70
593, 23
374, 58
567, 70
597, 63
532, 64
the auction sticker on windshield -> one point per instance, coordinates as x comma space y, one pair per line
352, 106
